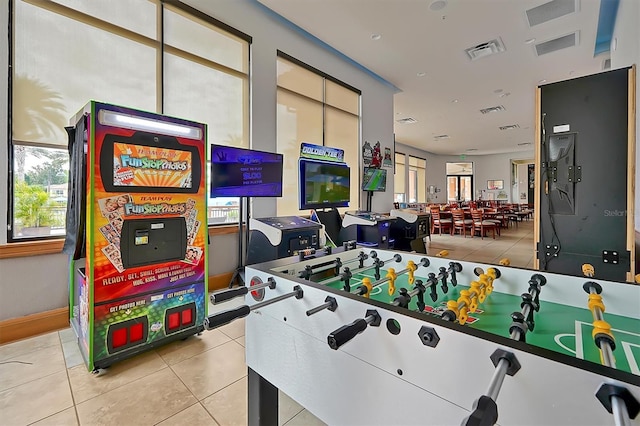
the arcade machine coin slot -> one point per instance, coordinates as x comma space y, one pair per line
150, 241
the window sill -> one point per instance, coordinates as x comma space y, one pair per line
30, 248
223, 229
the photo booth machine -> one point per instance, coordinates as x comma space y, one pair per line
136, 231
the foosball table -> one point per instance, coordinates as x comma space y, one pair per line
378, 337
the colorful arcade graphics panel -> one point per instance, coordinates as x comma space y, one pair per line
147, 226
146, 319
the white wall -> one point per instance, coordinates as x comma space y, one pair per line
625, 51
35, 284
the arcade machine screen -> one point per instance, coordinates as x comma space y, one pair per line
238, 172
323, 185
138, 162
374, 180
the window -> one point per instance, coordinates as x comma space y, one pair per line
459, 182
66, 53
417, 180
314, 108
399, 178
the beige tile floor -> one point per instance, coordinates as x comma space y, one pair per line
199, 381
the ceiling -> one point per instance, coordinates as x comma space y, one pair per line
421, 51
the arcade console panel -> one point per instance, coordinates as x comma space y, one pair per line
368, 228
409, 230
272, 238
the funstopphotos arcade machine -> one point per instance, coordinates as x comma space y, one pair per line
137, 231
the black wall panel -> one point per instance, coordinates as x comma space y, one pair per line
583, 191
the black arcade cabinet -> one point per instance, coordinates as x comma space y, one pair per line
368, 228
272, 238
410, 229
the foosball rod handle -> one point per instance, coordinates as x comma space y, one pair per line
485, 411
347, 332
225, 317
224, 295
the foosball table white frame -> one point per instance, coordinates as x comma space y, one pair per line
383, 379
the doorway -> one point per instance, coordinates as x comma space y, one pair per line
522, 181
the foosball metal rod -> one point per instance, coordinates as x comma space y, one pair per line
330, 303
374, 284
505, 363
312, 269
404, 298
497, 379
396, 258
225, 317
607, 353
618, 406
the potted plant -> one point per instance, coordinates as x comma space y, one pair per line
34, 210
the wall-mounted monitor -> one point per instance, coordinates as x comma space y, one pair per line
240, 172
323, 184
146, 162
374, 180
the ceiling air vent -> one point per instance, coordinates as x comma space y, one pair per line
485, 49
492, 109
559, 43
440, 137
551, 10
407, 120
606, 64
510, 127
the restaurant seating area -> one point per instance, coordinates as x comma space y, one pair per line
475, 218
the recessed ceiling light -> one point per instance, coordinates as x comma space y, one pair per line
497, 91
455, 101
376, 36
504, 95
398, 113
438, 5
421, 74
530, 41
524, 144
472, 149
542, 81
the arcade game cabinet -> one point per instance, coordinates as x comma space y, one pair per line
366, 227
138, 238
410, 229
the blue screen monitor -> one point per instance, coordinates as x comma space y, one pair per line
240, 172
374, 180
323, 184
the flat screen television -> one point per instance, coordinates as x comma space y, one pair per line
240, 172
146, 162
323, 184
374, 180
